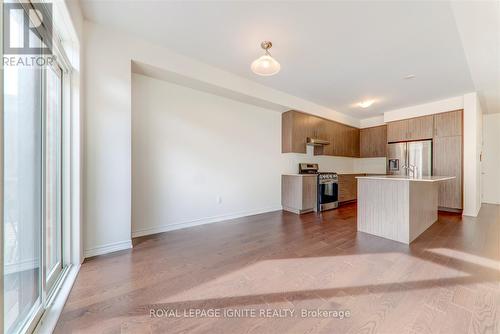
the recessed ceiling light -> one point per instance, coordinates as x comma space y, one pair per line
409, 76
366, 103
265, 65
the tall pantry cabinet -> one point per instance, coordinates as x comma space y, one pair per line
448, 157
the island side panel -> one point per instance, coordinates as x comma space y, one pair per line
383, 208
423, 207
291, 193
298, 193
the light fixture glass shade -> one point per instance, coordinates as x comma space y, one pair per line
265, 65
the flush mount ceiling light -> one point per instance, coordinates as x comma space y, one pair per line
366, 103
409, 76
265, 65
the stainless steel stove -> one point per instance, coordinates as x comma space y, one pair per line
328, 191
328, 186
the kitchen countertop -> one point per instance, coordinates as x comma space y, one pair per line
297, 174
407, 178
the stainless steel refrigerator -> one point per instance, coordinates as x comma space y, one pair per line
412, 158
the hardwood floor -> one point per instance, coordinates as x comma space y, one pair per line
446, 281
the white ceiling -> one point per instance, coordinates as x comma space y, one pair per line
332, 53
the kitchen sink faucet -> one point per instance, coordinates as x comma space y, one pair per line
411, 169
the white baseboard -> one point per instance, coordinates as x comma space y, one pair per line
470, 213
490, 202
104, 249
201, 221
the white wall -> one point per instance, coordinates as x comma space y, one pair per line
472, 152
491, 158
192, 148
430, 108
107, 143
371, 121
478, 24
370, 165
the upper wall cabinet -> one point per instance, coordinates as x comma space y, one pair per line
354, 144
373, 142
397, 131
420, 128
344, 141
297, 126
410, 129
448, 124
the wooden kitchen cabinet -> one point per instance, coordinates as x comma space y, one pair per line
397, 131
447, 161
316, 127
418, 128
331, 131
297, 126
373, 142
344, 141
299, 193
421, 128
448, 124
353, 142
348, 187
338, 139
448, 157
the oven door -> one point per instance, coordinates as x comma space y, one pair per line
328, 195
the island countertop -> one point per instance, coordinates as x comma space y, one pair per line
407, 178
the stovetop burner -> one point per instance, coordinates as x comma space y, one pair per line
328, 176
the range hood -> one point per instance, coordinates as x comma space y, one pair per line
316, 142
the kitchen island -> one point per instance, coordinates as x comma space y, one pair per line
397, 207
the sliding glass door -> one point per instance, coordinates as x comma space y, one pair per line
23, 128
32, 194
